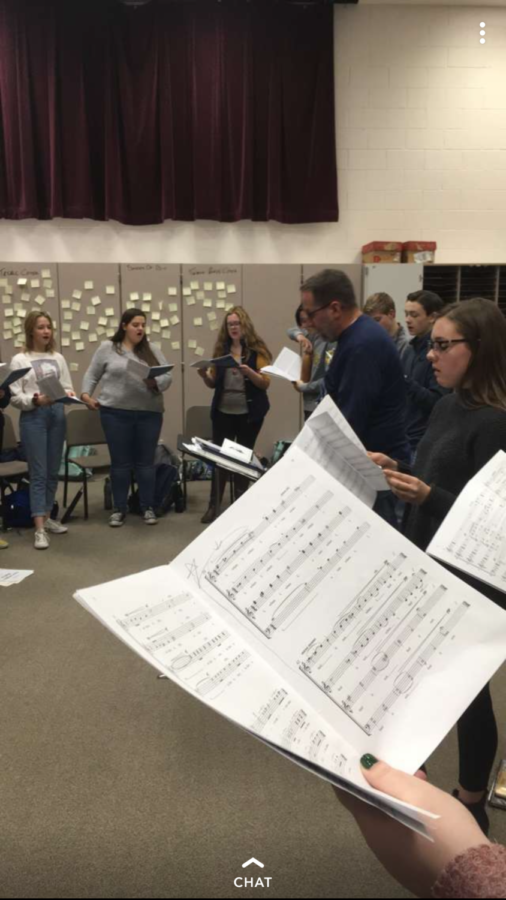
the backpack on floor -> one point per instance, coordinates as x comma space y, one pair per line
17, 509
168, 491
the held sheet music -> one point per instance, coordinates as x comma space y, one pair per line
302, 616
473, 535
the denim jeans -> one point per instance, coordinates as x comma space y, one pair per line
132, 436
42, 432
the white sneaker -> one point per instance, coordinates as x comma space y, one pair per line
52, 527
117, 519
150, 518
41, 540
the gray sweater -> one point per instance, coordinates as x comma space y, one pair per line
119, 388
311, 390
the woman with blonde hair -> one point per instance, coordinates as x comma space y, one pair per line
42, 421
240, 401
466, 429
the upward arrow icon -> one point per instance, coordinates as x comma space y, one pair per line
253, 860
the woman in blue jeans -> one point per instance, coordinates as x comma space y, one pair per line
42, 422
131, 410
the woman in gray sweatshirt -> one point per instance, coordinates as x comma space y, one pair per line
131, 410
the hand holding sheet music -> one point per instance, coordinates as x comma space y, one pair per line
287, 365
53, 388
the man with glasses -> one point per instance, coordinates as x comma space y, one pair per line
422, 308
365, 378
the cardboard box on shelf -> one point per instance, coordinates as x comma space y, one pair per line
419, 252
382, 252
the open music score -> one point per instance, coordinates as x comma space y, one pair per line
473, 536
304, 618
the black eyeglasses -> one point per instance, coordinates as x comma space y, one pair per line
441, 346
312, 314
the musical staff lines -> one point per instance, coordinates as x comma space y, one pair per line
207, 685
268, 711
146, 613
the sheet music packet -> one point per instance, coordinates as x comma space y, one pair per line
52, 387
287, 365
220, 362
215, 454
303, 617
144, 372
473, 535
9, 375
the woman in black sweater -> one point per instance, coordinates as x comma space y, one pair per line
466, 429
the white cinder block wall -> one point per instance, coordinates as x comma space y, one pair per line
421, 129
421, 113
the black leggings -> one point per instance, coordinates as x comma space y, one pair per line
477, 732
235, 428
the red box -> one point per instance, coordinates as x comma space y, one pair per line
382, 252
419, 252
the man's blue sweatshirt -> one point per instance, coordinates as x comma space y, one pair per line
366, 381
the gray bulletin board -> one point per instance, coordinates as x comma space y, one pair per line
208, 291
353, 271
156, 290
23, 287
271, 294
89, 312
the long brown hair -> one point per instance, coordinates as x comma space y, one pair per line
30, 323
249, 337
142, 349
483, 326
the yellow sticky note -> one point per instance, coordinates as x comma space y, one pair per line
7, 335
192, 345
114, 322
65, 304
134, 295
88, 285
165, 323
109, 311
208, 303
220, 285
190, 301
176, 345
77, 295
147, 297
174, 320
110, 332
208, 285
155, 316
200, 295
222, 295
102, 321
8, 313
84, 326
186, 292
46, 273
166, 334
214, 326
76, 306
194, 285
76, 335
146, 307
68, 316
40, 300
91, 311
231, 289
66, 328
50, 294
92, 338
22, 282
199, 351
25, 298
212, 316
220, 304
47, 283
80, 347
173, 307
156, 329
35, 282
65, 342
110, 289
74, 367
96, 301
172, 291
100, 330
197, 322
10, 290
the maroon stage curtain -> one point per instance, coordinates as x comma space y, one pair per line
174, 110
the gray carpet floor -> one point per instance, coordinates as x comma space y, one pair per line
114, 783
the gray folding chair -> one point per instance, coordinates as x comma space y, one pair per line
9, 471
197, 424
84, 427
